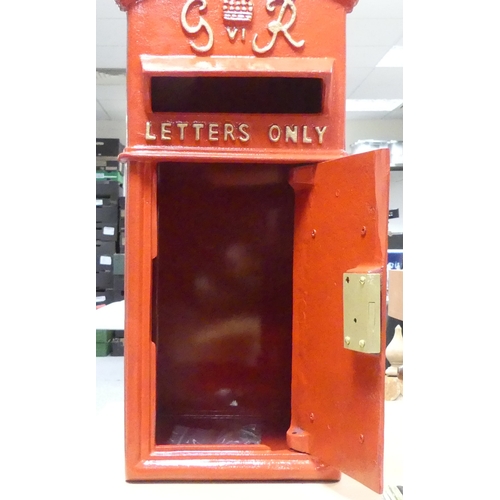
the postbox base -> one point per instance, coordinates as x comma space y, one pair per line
285, 465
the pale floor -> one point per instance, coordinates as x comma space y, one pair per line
110, 457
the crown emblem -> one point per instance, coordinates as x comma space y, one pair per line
238, 10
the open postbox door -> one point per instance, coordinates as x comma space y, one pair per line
339, 280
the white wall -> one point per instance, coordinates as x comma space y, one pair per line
384, 130
112, 130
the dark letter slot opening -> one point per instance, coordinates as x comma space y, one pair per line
262, 95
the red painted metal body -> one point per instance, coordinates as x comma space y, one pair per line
242, 216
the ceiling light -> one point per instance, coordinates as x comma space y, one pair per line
372, 104
393, 58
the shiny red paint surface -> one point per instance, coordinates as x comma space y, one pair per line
340, 226
342, 390
146, 459
236, 242
159, 46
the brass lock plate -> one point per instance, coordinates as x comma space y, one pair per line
362, 312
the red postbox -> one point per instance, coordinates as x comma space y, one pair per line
256, 248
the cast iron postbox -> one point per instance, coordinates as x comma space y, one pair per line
256, 248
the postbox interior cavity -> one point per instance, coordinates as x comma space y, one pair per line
222, 304
237, 94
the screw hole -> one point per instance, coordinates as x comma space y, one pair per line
355, 320
347, 279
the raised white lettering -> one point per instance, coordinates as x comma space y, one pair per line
182, 127
166, 131
274, 133
231, 132
232, 32
245, 136
197, 28
228, 131
149, 135
305, 138
291, 133
213, 132
321, 133
198, 127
